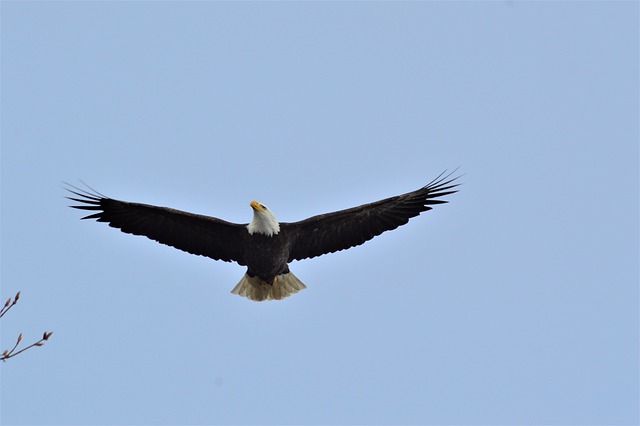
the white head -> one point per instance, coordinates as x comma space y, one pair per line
264, 222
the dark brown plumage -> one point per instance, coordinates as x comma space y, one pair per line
264, 246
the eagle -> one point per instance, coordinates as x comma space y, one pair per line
265, 246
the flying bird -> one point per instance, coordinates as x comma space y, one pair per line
265, 246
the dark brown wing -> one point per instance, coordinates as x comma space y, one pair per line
195, 234
327, 233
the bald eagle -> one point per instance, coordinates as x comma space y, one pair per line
265, 246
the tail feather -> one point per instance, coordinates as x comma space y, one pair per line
254, 288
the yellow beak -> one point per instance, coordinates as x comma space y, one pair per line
256, 205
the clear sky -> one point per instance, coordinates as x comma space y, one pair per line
516, 303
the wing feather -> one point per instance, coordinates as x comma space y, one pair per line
193, 233
340, 230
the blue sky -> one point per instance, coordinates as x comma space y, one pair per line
516, 303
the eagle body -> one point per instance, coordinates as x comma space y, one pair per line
266, 257
265, 246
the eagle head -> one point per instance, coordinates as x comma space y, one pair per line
264, 221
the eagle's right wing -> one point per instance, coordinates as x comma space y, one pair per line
193, 233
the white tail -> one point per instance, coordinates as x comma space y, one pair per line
253, 288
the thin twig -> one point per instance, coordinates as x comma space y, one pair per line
9, 304
10, 353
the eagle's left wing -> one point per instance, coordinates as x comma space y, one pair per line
340, 230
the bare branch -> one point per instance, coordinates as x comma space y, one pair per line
9, 353
9, 304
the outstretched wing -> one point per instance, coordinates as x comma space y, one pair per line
193, 233
327, 233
